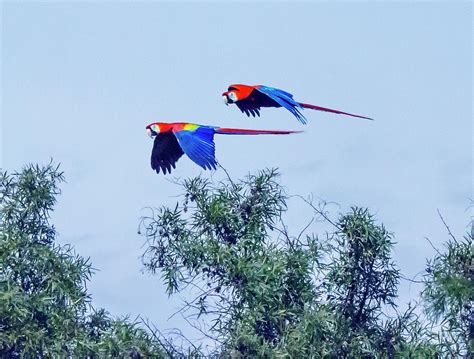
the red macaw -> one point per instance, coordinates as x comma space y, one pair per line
249, 99
172, 140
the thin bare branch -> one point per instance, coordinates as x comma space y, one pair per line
304, 229
432, 245
319, 211
447, 227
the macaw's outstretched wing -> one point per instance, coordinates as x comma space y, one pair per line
248, 107
255, 100
198, 144
283, 99
252, 103
166, 152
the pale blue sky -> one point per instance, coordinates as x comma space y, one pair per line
80, 81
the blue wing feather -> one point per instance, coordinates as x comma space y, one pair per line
199, 146
284, 99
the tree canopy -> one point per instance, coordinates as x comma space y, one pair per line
45, 309
266, 292
250, 286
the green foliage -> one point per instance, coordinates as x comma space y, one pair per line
255, 289
44, 303
219, 238
270, 294
107, 337
449, 295
362, 279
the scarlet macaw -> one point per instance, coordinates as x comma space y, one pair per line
172, 140
249, 99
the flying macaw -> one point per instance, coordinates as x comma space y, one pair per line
172, 140
249, 99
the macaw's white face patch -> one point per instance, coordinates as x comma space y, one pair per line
153, 130
232, 96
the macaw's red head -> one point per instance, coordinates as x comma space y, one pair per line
236, 93
153, 129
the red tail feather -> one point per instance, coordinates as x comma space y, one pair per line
238, 131
319, 108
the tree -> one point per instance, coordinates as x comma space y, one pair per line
362, 279
449, 294
267, 293
45, 310
254, 288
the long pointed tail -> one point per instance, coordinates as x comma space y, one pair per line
319, 108
239, 131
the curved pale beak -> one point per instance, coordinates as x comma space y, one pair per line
149, 133
226, 100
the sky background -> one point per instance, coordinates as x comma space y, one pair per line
80, 81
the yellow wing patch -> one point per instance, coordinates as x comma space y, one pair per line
190, 127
